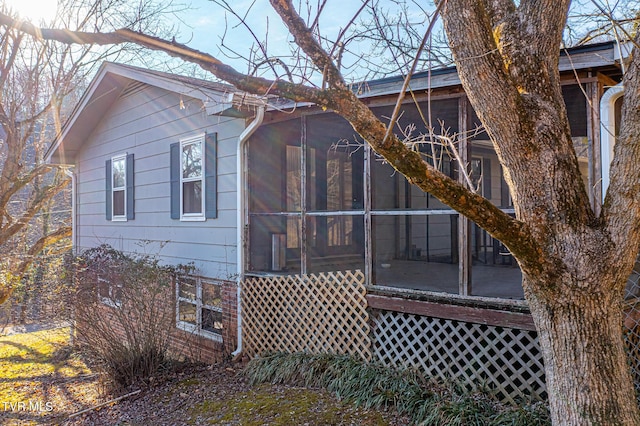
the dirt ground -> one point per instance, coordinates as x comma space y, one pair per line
219, 395
43, 381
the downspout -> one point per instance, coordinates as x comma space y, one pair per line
242, 218
72, 175
74, 245
607, 131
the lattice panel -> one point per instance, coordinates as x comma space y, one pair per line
507, 361
632, 324
323, 313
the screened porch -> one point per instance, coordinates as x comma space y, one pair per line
320, 200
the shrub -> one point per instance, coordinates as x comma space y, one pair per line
425, 402
123, 312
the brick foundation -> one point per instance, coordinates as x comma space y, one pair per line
185, 344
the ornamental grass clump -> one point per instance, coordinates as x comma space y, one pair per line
372, 385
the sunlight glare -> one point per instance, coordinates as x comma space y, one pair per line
35, 11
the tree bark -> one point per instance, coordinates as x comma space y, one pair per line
587, 372
507, 58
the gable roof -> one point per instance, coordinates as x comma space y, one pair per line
113, 79
110, 82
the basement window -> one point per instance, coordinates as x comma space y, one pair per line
109, 292
199, 307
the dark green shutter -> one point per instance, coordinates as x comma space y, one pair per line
211, 173
174, 165
107, 193
130, 188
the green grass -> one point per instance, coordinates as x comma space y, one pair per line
30, 362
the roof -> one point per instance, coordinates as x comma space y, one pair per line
111, 81
585, 57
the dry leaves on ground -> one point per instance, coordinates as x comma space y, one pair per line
43, 382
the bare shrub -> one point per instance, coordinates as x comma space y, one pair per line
124, 314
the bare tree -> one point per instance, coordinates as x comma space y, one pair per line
575, 261
40, 81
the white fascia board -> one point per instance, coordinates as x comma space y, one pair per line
206, 95
82, 103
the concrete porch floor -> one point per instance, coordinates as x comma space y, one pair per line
487, 281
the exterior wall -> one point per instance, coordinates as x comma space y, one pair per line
203, 349
183, 344
145, 123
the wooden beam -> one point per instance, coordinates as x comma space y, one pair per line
605, 80
472, 314
464, 224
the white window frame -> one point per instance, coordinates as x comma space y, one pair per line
480, 182
122, 217
112, 299
193, 216
197, 327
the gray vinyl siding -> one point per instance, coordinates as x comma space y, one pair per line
144, 124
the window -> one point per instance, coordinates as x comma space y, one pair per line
193, 178
119, 196
199, 307
315, 189
306, 197
109, 293
119, 188
191, 184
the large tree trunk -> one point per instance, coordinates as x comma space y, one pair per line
576, 263
586, 367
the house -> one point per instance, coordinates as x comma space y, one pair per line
312, 242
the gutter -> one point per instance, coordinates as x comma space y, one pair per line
242, 215
74, 245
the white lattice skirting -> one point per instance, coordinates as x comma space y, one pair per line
324, 313
327, 313
505, 360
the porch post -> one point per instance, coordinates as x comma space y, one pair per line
368, 247
593, 90
303, 194
464, 225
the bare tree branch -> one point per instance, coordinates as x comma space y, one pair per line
511, 232
303, 38
34, 206
19, 270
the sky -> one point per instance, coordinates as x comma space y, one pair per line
203, 24
36, 10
